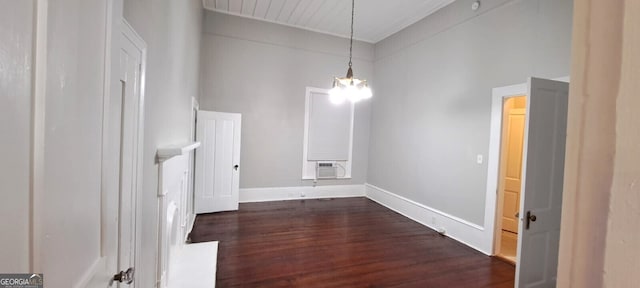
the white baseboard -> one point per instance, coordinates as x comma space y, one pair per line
463, 231
297, 193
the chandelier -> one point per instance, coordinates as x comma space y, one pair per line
349, 88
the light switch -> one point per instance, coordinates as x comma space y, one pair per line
479, 159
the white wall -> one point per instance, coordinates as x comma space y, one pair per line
69, 215
431, 111
261, 70
68, 208
16, 18
172, 31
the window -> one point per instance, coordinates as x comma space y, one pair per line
328, 134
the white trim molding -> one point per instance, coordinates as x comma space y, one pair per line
167, 152
463, 231
37, 157
248, 195
493, 158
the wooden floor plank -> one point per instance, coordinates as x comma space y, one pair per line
348, 242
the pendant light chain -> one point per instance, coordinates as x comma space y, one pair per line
353, 5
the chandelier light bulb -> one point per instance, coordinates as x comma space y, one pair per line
336, 96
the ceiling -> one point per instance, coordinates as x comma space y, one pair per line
374, 19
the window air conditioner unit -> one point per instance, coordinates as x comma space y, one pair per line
326, 170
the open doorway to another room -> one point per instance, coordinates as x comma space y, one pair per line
510, 177
525, 173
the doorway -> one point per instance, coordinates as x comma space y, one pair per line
510, 177
541, 173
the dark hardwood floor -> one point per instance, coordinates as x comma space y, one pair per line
349, 242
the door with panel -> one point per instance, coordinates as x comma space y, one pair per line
217, 162
510, 169
512, 164
123, 161
543, 174
130, 78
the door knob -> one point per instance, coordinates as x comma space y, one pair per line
124, 276
236, 167
530, 218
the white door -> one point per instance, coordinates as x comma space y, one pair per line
543, 172
130, 77
123, 162
217, 162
